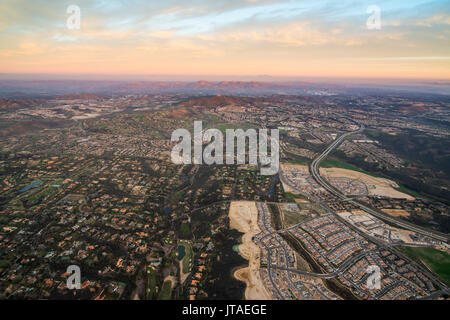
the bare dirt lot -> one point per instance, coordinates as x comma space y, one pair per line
376, 186
397, 212
244, 218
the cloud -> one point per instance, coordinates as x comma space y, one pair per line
232, 35
438, 19
296, 34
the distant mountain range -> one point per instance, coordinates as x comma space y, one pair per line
221, 100
47, 88
12, 104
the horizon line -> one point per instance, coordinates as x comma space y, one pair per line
198, 77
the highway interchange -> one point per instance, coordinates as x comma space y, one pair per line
314, 170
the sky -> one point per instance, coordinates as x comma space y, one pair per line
314, 38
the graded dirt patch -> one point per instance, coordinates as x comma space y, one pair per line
396, 212
244, 218
376, 186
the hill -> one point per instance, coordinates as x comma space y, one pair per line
220, 101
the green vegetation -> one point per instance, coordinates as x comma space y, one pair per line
186, 262
209, 121
404, 189
276, 216
151, 283
301, 263
185, 231
292, 218
438, 261
373, 133
178, 196
305, 210
300, 162
224, 126
166, 290
291, 197
426, 157
4, 263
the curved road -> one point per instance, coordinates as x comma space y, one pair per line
314, 168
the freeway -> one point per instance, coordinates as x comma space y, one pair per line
315, 173
314, 168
